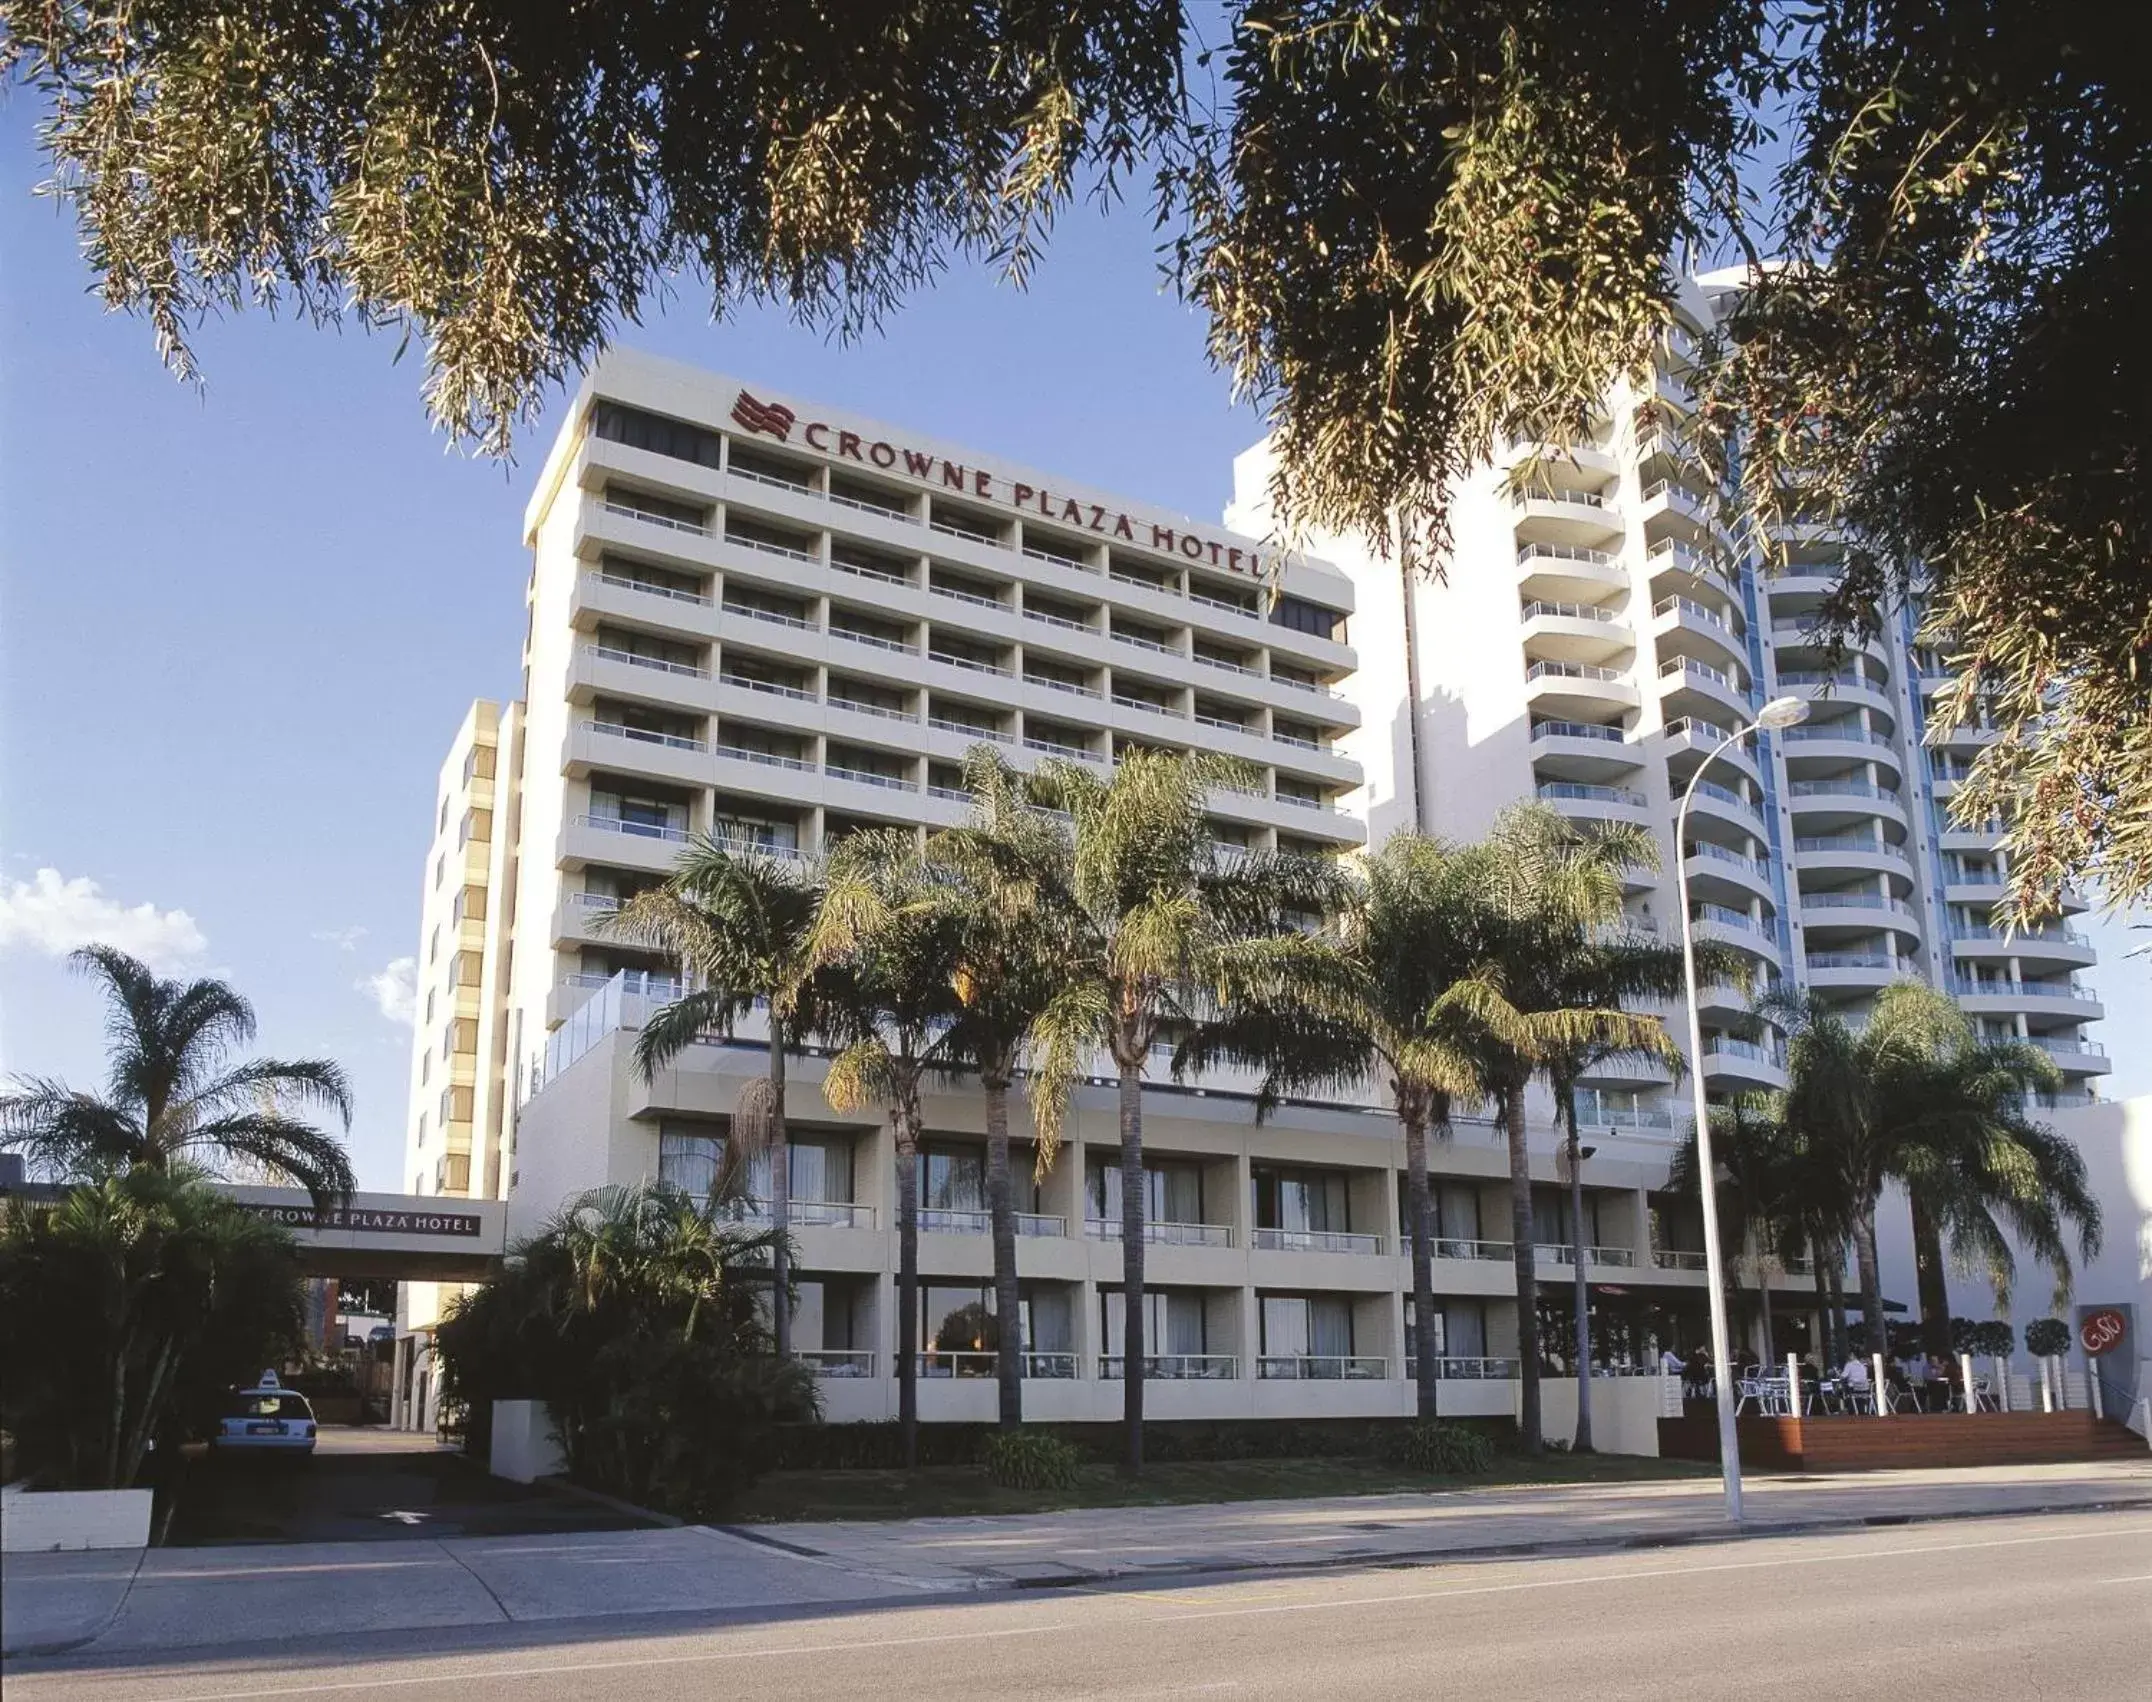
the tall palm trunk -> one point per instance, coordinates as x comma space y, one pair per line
780, 1201
1420, 1205
1132, 1202
1831, 1260
1932, 1280
907, 1142
1001, 1204
1864, 1255
1523, 1251
1581, 1443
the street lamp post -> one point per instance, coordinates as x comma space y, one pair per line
1779, 712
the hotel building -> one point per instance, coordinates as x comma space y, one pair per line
771, 621
1595, 635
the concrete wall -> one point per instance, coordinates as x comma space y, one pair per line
1625, 1413
524, 1447
40, 1521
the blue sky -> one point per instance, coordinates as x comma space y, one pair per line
238, 626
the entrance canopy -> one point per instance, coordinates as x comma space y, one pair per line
405, 1237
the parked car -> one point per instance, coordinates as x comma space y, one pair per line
266, 1418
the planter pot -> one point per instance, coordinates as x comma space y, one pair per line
38, 1521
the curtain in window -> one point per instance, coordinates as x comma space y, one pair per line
1182, 1330
1048, 1323
689, 1162
953, 1181
1330, 1328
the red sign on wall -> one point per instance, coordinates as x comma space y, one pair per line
2102, 1331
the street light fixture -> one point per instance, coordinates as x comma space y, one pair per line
1779, 712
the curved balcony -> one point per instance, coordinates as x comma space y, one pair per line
1837, 686
2072, 1054
2058, 946
1798, 633
1575, 632
1724, 875
1851, 853
1558, 457
1672, 510
1735, 928
2061, 997
1594, 803
1690, 687
1841, 802
1676, 567
1582, 750
1567, 572
1691, 737
1738, 1066
1826, 917
1565, 517
1855, 971
1836, 743
1723, 802
1685, 626
1577, 690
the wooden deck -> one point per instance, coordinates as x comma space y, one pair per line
1908, 1440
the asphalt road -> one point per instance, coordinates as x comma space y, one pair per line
2057, 1606
368, 1486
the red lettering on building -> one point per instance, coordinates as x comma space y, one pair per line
818, 436
1190, 539
954, 476
1019, 494
1072, 510
1098, 517
848, 444
918, 465
1232, 560
1214, 554
982, 483
772, 419
881, 454
1162, 538
1121, 529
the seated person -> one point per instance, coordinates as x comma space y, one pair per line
1855, 1373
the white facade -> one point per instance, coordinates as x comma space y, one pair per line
775, 622
1594, 634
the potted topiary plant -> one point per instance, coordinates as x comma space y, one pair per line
2047, 1340
1994, 1339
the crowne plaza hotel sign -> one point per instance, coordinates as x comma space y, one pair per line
369, 1220
775, 420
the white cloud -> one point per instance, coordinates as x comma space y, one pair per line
343, 939
52, 915
394, 989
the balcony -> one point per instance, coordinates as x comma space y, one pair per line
1684, 616
1483, 1252
1575, 632
1316, 1241
1676, 563
1174, 1367
655, 664
1856, 970
1719, 800
1683, 679
1564, 689
1576, 797
1566, 516
1326, 1367
1565, 1253
948, 1220
628, 509
975, 1362
837, 1361
1559, 571
1166, 1234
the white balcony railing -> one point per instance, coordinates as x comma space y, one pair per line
837, 1361
1164, 1234
1316, 1241
1322, 1367
1174, 1367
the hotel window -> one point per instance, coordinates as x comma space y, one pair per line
1297, 615
958, 1319
441, 826
466, 969
639, 430
478, 825
1316, 1200
691, 1159
1301, 1326
440, 868
470, 901
455, 1104
478, 764
433, 947
1174, 1322
425, 1068
1172, 1193
429, 1004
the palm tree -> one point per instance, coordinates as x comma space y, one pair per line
1760, 1187
1601, 974
1917, 1095
891, 961
174, 1098
1376, 999
1010, 962
1980, 1171
1557, 890
1152, 914
741, 926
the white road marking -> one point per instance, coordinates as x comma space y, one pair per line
794, 1650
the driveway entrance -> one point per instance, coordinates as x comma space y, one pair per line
367, 1485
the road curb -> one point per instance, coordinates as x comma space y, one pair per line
19, 1651
1549, 1547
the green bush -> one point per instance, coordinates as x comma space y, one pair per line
1441, 1450
1030, 1459
1993, 1338
2047, 1337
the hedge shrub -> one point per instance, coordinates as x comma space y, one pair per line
1030, 1459
2047, 1337
1442, 1450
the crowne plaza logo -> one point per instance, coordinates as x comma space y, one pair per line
771, 419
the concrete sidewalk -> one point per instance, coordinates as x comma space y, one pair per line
1118, 1542
171, 1599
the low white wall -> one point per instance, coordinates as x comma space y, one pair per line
1625, 1413
39, 1521
523, 1443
